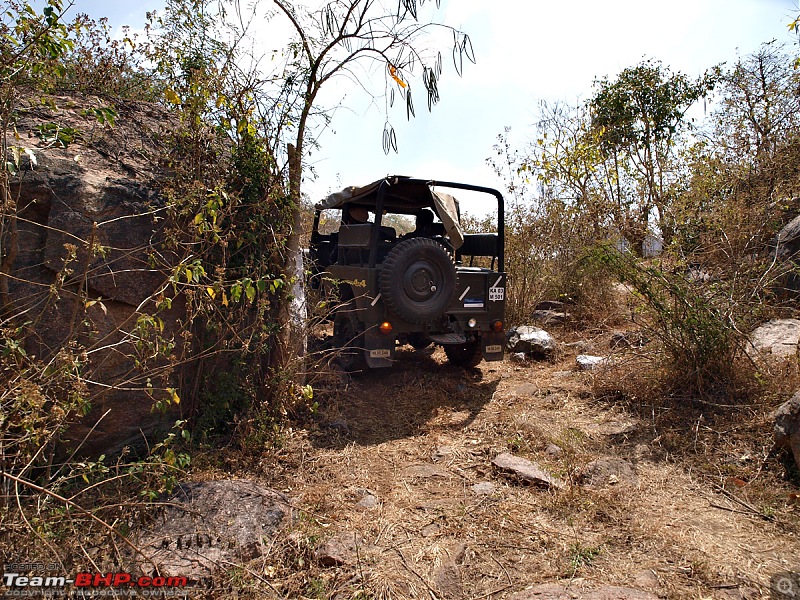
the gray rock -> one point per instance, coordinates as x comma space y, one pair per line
368, 502
587, 362
518, 357
526, 471
554, 451
647, 580
787, 241
580, 346
424, 471
208, 524
447, 580
526, 389
618, 429
609, 471
549, 317
627, 339
341, 549
550, 305
778, 337
787, 426
484, 488
532, 341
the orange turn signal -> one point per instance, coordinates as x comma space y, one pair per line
497, 326
385, 328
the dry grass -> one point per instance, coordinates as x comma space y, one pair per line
420, 436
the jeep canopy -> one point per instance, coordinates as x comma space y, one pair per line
406, 196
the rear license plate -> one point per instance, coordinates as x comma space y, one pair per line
495, 349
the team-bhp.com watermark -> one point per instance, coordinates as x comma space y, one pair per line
21, 580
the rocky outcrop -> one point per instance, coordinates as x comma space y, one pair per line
89, 221
206, 526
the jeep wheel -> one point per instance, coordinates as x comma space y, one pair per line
418, 280
349, 341
466, 355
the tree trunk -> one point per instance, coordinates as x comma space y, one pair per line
290, 351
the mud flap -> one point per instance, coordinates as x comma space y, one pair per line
493, 345
378, 349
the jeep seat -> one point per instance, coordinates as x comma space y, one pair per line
354, 240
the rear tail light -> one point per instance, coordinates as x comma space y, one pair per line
497, 326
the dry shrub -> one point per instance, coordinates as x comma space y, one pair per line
547, 245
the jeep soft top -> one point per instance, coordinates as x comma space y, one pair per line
418, 288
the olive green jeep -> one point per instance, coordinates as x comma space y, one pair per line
434, 284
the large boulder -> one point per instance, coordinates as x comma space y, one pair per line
207, 526
778, 337
89, 220
787, 242
787, 426
787, 247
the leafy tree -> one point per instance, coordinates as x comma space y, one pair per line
639, 117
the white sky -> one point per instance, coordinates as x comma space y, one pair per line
526, 51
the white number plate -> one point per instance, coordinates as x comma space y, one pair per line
497, 294
494, 349
380, 353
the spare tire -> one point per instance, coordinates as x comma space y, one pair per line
418, 280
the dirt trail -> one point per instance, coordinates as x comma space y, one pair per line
397, 478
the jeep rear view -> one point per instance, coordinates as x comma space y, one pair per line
433, 284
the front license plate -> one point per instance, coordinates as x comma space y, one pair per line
494, 349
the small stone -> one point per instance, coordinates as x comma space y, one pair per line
609, 471
424, 471
441, 453
341, 549
518, 357
368, 502
484, 488
448, 580
340, 426
526, 389
587, 362
554, 451
627, 339
617, 428
647, 580
526, 470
